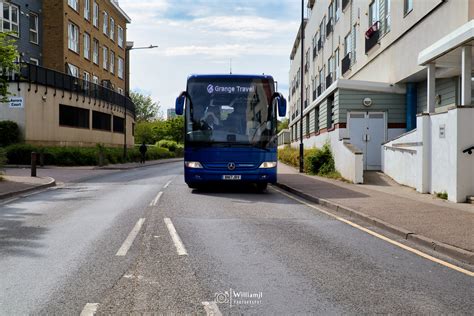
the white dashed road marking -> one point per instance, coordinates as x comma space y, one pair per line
131, 237
156, 199
175, 237
211, 309
90, 309
167, 184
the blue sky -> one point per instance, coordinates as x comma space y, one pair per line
202, 36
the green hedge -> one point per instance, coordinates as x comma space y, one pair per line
318, 161
9, 133
20, 154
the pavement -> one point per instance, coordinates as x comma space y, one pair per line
440, 225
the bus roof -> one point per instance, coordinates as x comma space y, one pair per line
229, 76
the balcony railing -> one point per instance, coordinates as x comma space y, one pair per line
372, 36
306, 67
305, 104
37, 75
344, 4
328, 80
319, 89
346, 63
315, 52
329, 27
320, 44
314, 95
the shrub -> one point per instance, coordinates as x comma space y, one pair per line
171, 145
9, 133
20, 154
3, 160
320, 161
316, 161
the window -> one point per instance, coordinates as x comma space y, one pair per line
105, 27
95, 52
118, 124
73, 4
373, 12
120, 68
11, 18
87, 46
316, 119
354, 43
87, 79
34, 61
112, 62
120, 36
388, 20
337, 11
73, 70
101, 121
95, 79
73, 37
322, 28
112, 29
33, 28
95, 17
120, 90
105, 54
330, 12
407, 6
87, 9
347, 44
336, 64
73, 116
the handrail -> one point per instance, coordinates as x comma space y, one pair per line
57, 80
469, 150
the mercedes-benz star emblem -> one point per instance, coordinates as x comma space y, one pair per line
231, 166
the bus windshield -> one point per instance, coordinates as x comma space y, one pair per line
224, 111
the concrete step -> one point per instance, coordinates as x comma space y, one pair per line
470, 199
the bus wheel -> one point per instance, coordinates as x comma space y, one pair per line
193, 186
262, 187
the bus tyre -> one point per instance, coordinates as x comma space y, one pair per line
192, 186
262, 187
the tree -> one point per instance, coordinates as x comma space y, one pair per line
8, 55
145, 108
281, 125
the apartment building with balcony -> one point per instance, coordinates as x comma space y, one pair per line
369, 79
23, 19
76, 94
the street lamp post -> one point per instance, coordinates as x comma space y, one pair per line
128, 48
301, 88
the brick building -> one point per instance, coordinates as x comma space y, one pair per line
86, 39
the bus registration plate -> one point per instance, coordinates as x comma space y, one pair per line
232, 177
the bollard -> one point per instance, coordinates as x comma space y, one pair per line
33, 164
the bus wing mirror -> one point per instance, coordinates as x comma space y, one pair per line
179, 107
281, 104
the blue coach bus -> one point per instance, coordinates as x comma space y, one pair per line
230, 129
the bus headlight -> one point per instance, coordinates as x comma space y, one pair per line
268, 165
193, 164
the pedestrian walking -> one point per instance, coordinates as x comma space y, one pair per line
143, 150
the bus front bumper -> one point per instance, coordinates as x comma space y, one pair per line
253, 176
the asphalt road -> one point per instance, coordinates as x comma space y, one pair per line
256, 253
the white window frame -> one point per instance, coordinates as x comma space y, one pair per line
73, 37
14, 26
120, 36
95, 80
73, 70
87, 46
105, 23
120, 67
87, 76
112, 29
112, 62
35, 31
34, 61
73, 4
105, 56
95, 51
347, 44
95, 14
337, 63
407, 7
87, 9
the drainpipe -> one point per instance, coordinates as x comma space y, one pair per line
411, 101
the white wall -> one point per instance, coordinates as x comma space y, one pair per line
347, 162
430, 162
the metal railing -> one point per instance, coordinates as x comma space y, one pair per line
329, 27
319, 89
328, 80
372, 36
346, 63
36, 75
345, 3
469, 150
